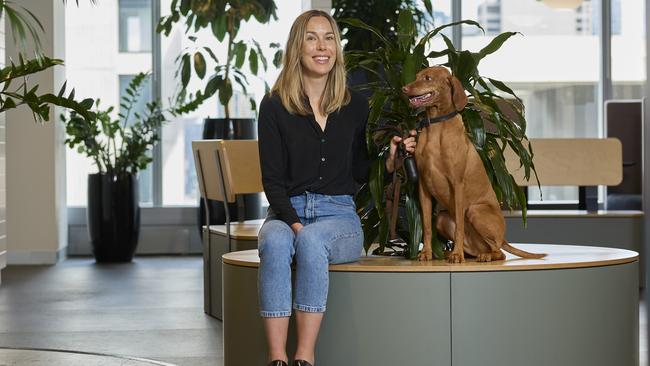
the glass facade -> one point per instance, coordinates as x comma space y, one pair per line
135, 25
554, 66
179, 185
98, 69
560, 92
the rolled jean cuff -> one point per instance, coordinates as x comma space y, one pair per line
309, 309
275, 314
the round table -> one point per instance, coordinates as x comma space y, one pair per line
577, 306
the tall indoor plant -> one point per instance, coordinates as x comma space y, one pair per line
15, 90
119, 149
224, 19
492, 121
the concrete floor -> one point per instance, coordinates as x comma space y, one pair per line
151, 309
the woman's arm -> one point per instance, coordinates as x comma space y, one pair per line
272, 161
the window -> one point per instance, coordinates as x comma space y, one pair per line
96, 69
135, 25
179, 183
560, 93
145, 177
628, 49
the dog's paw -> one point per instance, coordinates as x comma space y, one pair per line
455, 258
425, 255
484, 257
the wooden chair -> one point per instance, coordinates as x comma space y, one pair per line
225, 170
583, 162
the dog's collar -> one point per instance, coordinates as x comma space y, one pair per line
429, 121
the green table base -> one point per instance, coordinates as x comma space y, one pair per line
583, 316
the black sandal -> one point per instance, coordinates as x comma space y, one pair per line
277, 363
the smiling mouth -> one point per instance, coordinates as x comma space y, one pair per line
419, 100
321, 59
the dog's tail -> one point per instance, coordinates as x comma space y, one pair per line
521, 253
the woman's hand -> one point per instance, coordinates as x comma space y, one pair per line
409, 143
296, 227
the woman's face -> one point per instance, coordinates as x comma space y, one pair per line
318, 48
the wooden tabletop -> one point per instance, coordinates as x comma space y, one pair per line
575, 213
246, 230
558, 257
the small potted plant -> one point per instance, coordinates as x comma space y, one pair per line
119, 149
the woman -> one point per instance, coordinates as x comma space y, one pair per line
312, 149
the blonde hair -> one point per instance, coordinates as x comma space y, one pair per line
289, 85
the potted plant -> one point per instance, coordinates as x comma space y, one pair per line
15, 90
224, 19
119, 149
491, 120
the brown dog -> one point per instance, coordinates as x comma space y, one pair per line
451, 170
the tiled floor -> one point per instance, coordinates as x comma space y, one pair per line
150, 309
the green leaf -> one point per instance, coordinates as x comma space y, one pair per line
240, 54
185, 71
503, 87
225, 93
415, 225
252, 61
409, 70
211, 53
405, 29
496, 43
277, 59
219, 27
199, 65
434, 32
427, 5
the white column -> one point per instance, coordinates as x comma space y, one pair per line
3, 191
36, 202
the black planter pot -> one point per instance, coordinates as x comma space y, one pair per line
230, 129
113, 216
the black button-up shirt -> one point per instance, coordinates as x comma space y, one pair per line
296, 155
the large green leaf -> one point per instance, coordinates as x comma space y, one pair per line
405, 29
496, 43
219, 27
415, 225
408, 73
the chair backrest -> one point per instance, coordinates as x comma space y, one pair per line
571, 162
225, 168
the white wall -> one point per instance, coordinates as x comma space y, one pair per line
3, 191
35, 166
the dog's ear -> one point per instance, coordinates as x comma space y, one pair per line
458, 96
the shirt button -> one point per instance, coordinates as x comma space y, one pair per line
320, 178
322, 159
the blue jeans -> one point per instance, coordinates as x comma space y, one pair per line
331, 234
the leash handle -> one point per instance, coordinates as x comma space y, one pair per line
410, 167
